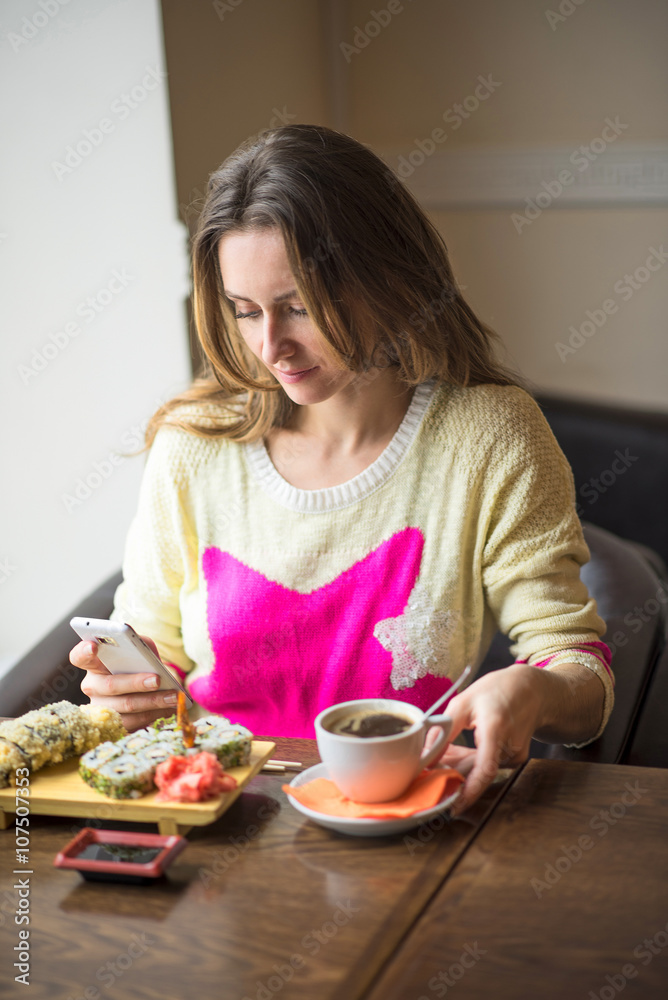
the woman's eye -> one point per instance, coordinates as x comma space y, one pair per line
256, 312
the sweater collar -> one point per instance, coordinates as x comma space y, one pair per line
366, 482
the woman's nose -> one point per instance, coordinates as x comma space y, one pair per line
275, 342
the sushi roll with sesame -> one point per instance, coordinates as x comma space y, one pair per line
95, 767
165, 727
127, 776
151, 746
230, 744
28, 738
163, 750
138, 741
94, 759
102, 753
106, 722
52, 731
170, 733
11, 758
51, 734
38, 734
76, 726
204, 727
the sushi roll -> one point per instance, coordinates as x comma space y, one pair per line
51, 734
230, 744
78, 729
138, 741
163, 727
11, 758
170, 734
217, 725
159, 752
108, 768
127, 776
205, 727
46, 724
101, 754
28, 738
106, 721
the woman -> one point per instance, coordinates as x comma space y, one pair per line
355, 495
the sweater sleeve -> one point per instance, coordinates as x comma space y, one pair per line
160, 557
534, 549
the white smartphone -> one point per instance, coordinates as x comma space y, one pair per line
123, 652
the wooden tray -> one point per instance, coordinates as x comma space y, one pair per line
58, 790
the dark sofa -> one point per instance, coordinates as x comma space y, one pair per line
619, 459
620, 464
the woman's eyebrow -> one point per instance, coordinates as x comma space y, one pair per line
279, 298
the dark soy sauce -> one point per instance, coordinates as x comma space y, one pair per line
119, 853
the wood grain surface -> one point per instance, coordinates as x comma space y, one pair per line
261, 904
564, 894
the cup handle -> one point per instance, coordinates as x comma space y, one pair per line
428, 757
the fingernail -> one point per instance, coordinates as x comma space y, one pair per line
88, 649
169, 699
152, 682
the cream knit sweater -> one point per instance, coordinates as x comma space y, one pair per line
278, 602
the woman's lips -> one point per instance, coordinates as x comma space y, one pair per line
295, 376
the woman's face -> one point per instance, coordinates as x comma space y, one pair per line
272, 318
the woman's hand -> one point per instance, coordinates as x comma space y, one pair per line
507, 707
135, 696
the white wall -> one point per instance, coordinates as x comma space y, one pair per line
79, 378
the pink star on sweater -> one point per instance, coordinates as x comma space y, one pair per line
281, 656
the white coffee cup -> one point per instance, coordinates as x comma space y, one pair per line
378, 768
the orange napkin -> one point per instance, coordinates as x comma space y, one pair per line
426, 791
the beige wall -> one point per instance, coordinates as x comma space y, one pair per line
608, 57
558, 84
235, 72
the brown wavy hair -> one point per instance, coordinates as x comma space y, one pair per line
371, 269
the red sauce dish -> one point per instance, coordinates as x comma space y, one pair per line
120, 856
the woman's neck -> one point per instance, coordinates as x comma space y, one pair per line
331, 442
365, 413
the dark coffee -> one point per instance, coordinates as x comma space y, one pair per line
366, 724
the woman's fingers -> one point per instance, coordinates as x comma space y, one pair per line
503, 711
84, 655
100, 682
149, 642
134, 686
135, 708
462, 759
483, 772
137, 697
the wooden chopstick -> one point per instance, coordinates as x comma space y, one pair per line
280, 766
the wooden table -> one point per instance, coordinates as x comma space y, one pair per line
262, 902
563, 894
265, 904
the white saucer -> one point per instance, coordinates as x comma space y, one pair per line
362, 827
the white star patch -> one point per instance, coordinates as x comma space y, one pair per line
418, 639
